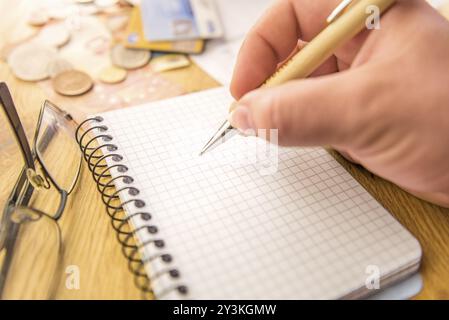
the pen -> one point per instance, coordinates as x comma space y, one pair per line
346, 21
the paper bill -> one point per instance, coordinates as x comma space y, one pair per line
180, 20
140, 86
135, 39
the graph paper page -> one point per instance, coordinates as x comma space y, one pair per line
303, 228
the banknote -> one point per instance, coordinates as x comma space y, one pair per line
135, 39
180, 20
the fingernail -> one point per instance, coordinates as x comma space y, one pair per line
241, 119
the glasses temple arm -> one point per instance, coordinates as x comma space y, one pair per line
13, 117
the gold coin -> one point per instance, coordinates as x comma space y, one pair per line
72, 83
113, 74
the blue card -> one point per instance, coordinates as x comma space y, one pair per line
173, 20
168, 20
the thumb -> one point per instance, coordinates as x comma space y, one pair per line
328, 110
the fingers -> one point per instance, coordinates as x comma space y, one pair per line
439, 198
348, 156
329, 110
274, 37
269, 42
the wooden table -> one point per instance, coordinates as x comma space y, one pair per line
90, 241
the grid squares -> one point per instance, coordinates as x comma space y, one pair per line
307, 231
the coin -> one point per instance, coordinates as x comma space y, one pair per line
116, 23
38, 18
59, 11
57, 66
5, 51
29, 61
72, 83
55, 35
105, 3
113, 74
129, 58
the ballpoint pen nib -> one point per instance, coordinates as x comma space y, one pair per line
203, 151
217, 136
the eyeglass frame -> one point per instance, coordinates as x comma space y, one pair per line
28, 179
31, 155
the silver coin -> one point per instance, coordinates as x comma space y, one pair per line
129, 58
116, 23
37, 18
57, 66
55, 35
105, 3
59, 11
29, 61
5, 51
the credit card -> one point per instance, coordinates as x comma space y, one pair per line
207, 19
180, 20
135, 39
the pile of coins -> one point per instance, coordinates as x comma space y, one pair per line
123, 59
38, 58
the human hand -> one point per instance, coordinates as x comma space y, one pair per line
382, 99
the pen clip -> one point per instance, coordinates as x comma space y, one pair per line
338, 11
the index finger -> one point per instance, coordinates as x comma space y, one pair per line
274, 37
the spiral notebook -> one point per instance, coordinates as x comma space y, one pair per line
233, 225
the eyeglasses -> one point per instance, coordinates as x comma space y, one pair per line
30, 237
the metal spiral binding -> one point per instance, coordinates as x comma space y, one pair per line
90, 145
